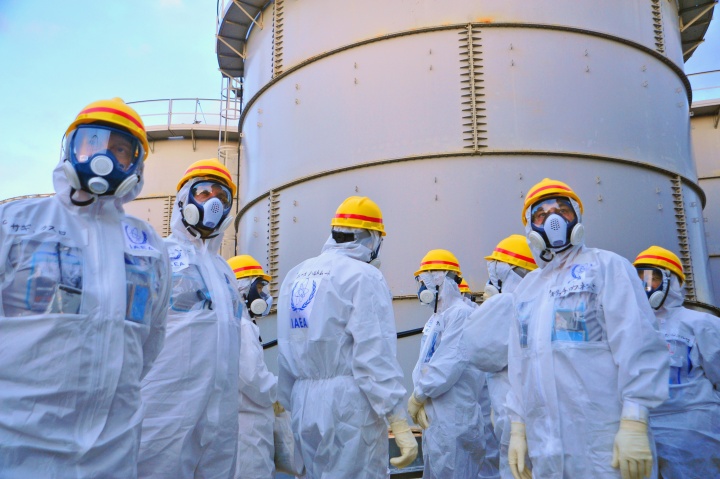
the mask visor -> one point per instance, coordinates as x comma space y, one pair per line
560, 206
88, 142
206, 190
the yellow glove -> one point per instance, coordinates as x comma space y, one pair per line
632, 450
406, 442
416, 409
517, 451
277, 408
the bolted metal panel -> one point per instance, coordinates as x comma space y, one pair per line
706, 141
474, 118
273, 239
605, 98
167, 215
712, 230
517, 102
258, 69
698, 251
375, 102
278, 22
671, 32
351, 21
706, 145
657, 19
682, 236
253, 232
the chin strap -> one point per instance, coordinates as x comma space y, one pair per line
195, 233
81, 203
547, 255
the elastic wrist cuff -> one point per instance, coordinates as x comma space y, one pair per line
396, 414
634, 411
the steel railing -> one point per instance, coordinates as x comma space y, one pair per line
705, 85
183, 111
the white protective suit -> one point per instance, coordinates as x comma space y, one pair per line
584, 351
454, 444
258, 392
487, 332
190, 427
84, 300
338, 371
687, 426
490, 467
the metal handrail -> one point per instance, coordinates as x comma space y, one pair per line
705, 85
180, 111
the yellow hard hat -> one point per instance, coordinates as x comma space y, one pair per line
514, 250
245, 265
359, 212
114, 112
439, 260
545, 188
661, 258
464, 287
212, 168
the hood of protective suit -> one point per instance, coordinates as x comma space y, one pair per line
504, 272
243, 285
673, 300
179, 230
360, 250
449, 291
557, 258
62, 189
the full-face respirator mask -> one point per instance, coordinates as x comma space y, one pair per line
208, 207
429, 284
656, 283
258, 300
102, 160
555, 226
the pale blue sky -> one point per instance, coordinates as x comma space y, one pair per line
56, 57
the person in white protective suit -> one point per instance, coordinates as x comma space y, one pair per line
84, 300
446, 396
338, 371
491, 463
488, 330
190, 428
490, 467
258, 386
686, 426
586, 361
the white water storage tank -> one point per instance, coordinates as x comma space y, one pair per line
446, 113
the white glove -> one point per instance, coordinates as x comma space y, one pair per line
517, 451
416, 409
405, 441
631, 452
